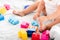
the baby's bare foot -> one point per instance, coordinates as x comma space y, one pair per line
36, 16
18, 13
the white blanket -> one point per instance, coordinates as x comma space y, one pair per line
7, 30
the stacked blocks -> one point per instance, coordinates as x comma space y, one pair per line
22, 34
24, 25
1, 17
45, 35
26, 6
30, 31
35, 36
7, 6
34, 23
13, 21
3, 10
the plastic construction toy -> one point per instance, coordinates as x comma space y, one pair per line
7, 6
45, 35
13, 21
26, 6
35, 23
30, 32
36, 35
3, 10
1, 17
22, 34
24, 25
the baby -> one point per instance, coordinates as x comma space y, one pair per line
50, 8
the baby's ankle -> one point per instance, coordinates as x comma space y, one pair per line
25, 13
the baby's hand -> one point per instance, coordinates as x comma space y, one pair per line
36, 16
42, 28
41, 20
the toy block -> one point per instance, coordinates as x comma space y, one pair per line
35, 23
1, 17
13, 21
26, 6
36, 35
7, 6
24, 25
45, 35
3, 10
30, 31
22, 34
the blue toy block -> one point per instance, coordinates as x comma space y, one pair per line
29, 32
13, 21
35, 23
1, 17
26, 6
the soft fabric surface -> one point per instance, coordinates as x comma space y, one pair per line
7, 30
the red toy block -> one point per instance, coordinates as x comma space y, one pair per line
36, 36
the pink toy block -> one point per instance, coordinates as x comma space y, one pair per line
24, 25
45, 35
7, 6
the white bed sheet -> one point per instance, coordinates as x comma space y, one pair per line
7, 30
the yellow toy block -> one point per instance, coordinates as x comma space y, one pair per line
3, 10
22, 34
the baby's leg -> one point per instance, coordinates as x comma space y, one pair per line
44, 11
27, 10
40, 8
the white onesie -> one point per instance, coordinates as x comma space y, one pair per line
51, 7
